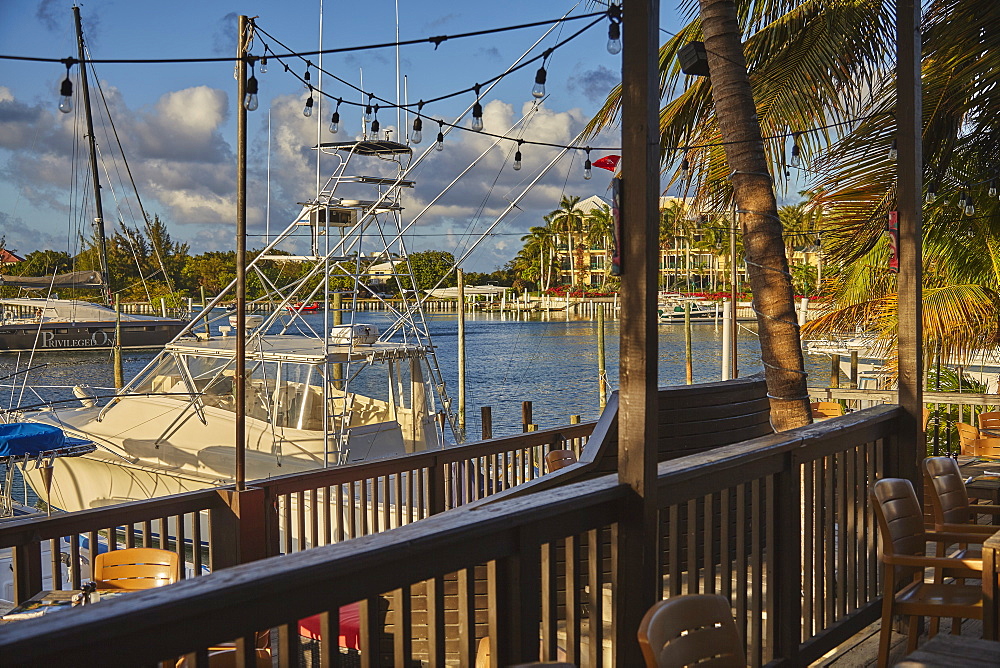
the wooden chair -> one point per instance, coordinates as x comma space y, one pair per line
826, 409
990, 421
967, 433
136, 568
988, 446
691, 629
950, 500
903, 551
559, 459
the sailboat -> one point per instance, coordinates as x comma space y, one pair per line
45, 324
322, 389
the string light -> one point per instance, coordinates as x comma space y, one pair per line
440, 138
418, 125
66, 91
685, 166
893, 150
932, 192
615, 30
963, 197
375, 123
587, 171
796, 160
305, 78
517, 156
307, 111
263, 65
992, 192
368, 108
477, 113
335, 118
539, 89
250, 99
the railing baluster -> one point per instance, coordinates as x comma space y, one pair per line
808, 566
467, 617
708, 531
725, 558
550, 603
572, 550
595, 568
830, 538
757, 576
741, 562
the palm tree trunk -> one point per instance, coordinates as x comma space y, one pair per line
773, 298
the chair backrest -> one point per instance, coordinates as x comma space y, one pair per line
967, 433
949, 498
900, 519
558, 459
826, 409
989, 420
986, 447
691, 629
136, 568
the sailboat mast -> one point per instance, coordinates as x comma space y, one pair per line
102, 244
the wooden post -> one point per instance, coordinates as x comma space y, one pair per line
460, 275
525, 415
27, 566
688, 353
239, 373
636, 568
909, 204
602, 371
835, 371
854, 369
239, 515
486, 417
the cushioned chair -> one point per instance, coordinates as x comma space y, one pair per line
558, 459
826, 409
691, 629
136, 568
967, 433
903, 551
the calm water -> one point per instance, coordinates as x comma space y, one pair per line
547, 358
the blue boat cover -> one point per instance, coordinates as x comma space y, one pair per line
28, 438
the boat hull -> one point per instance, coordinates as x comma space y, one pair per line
58, 336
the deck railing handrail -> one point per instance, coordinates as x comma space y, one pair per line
516, 537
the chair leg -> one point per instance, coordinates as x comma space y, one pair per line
956, 626
912, 629
885, 637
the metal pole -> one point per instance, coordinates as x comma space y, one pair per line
102, 242
734, 280
460, 274
688, 353
117, 350
602, 371
241, 252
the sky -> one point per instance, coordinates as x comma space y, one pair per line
176, 122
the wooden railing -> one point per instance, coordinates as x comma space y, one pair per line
534, 575
201, 526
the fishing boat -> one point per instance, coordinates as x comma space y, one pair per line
674, 313
321, 389
50, 325
300, 307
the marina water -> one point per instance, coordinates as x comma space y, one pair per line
547, 358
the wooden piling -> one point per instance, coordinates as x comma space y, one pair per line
525, 415
486, 417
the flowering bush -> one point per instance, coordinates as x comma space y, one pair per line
564, 290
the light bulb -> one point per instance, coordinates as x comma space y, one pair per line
963, 199
66, 96
539, 88
307, 111
250, 99
306, 81
969, 208
440, 141
614, 38
417, 135
375, 127
796, 160
893, 151
335, 122
685, 167
992, 192
368, 110
477, 117
587, 171
517, 158
263, 66
931, 194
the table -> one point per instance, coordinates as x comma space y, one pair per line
48, 602
948, 651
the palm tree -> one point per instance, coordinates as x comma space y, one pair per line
539, 244
569, 217
600, 224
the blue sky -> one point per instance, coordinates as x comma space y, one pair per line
177, 121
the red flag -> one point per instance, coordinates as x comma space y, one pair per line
608, 162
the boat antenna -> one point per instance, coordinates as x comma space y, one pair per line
102, 244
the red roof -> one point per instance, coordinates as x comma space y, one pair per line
6, 257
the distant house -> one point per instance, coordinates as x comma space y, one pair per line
8, 258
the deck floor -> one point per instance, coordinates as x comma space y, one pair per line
862, 649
